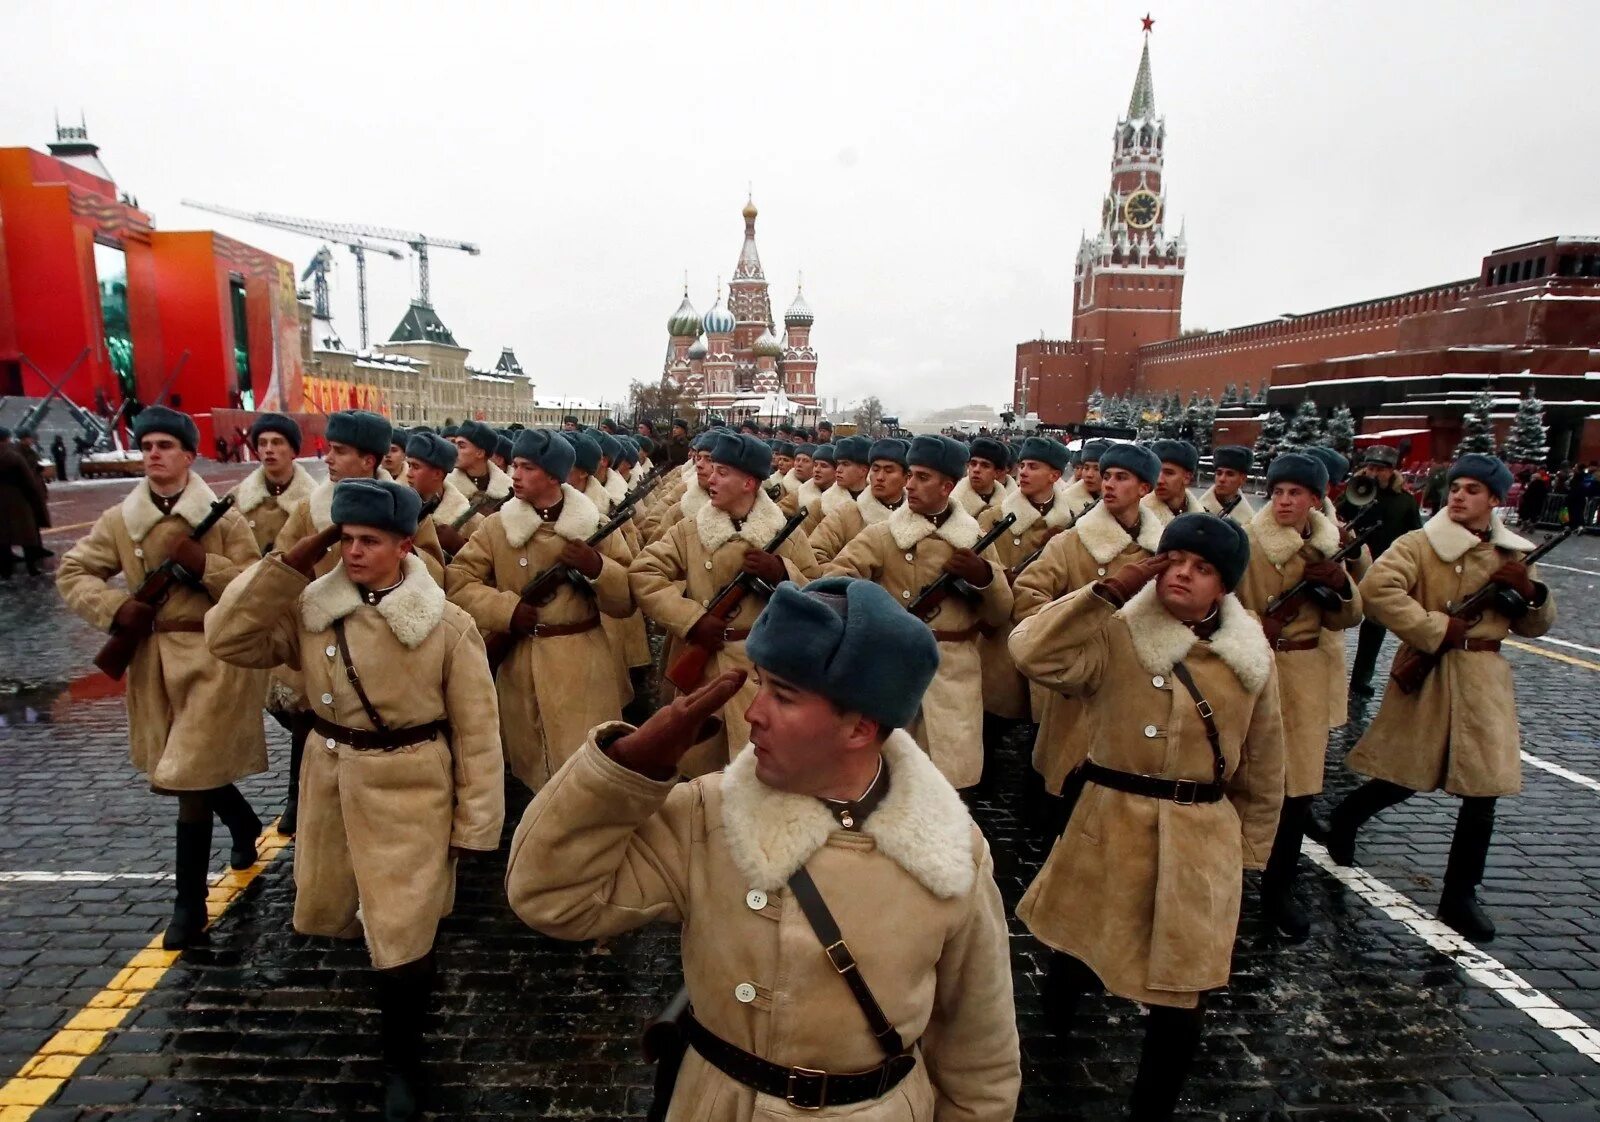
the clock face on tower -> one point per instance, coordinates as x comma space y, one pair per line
1141, 210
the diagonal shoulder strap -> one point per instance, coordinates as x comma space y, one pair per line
833, 945
355, 681
1218, 761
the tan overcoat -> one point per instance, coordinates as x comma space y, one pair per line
452, 505
1146, 891
1240, 512
905, 554
675, 579
552, 689
846, 520
1095, 547
1459, 733
604, 850
815, 500
1306, 678
187, 730
973, 503
1164, 513
372, 854
266, 513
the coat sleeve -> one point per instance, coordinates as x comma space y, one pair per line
611, 590
255, 623
1041, 581
298, 526
1065, 646
601, 849
239, 552
1540, 619
1256, 786
82, 575
479, 765
469, 584
1386, 594
657, 578
970, 1044
1349, 613
858, 558
830, 536
430, 551
997, 601
799, 559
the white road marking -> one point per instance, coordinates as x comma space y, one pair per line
1476, 963
1568, 643
1568, 569
1565, 773
75, 876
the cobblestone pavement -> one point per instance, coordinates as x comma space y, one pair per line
1365, 1020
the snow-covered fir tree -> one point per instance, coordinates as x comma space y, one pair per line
1341, 432
1477, 428
1270, 440
1305, 429
1094, 406
1528, 442
1230, 395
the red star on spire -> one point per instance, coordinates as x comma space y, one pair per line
1149, 24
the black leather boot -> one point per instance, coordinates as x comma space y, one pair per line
1469, 852
1171, 1039
244, 825
402, 1000
188, 925
289, 820
1278, 904
1348, 817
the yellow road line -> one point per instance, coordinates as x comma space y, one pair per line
38, 1080
1531, 649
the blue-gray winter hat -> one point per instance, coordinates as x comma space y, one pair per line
988, 448
627, 450
850, 641
1219, 540
940, 453
585, 450
743, 452
889, 448
1332, 459
856, 449
364, 431
432, 449
169, 422
476, 432
609, 448
450, 431
1491, 471
1234, 456
704, 441
398, 437
1179, 452
1051, 452
1297, 467
379, 503
806, 450
551, 451
1136, 458
1382, 455
278, 423
1092, 450
783, 448
503, 447
826, 453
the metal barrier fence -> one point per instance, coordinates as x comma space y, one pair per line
1558, 513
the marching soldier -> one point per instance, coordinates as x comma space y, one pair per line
797, 477
1170, 496
406, 774
269, 494
1115, 532
833, 840
675, 579
185, 729
628, 633
394, 460
1333, 645
1291, 540
589, 459
852, 456
560, 678
1458, 732
885, 493
429, 461
778, 484
1185, 776
1084, 490
926, 536
474, 473
502, 451
983, 484
1231, 466
695, 496
814, 492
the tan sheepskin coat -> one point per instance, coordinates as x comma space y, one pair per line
604, 850
187, 728
1241, 511
905, 554
846, 520
1459, 733
266, 513
372, 855
552, 689
1146, 891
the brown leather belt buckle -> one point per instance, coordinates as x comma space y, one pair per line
1185, 791
839, 954
807, 1089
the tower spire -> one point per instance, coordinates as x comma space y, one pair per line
1142, 105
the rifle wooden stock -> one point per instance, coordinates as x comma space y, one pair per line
116, 654
1411, 666
689, 667
940, 588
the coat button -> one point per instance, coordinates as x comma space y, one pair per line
330, 742
755, 899
705, 603
252, 523
911, 557
1458, 568
1158, 681
138, 551
1101, 571
523, 561
1016, 541
331, 651
1150, 732
744, 993
327, 699
905, 594
708, 564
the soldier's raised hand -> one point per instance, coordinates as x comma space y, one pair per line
305, 553
655, 747
1133, 576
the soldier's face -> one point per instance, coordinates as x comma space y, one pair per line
1470, 503
702, 468
372, 556
425, 478
1036, 478
1292, 503
1172, 483
347, 462
731, 489
851, 474
274, 452
395, 462
1121, 490
928, 491
823, 473
1089, 473
801, 742
1227, 482
782, 464
470, 457
166, 462
1189, 587
981, 475
804, 468
888, 481
529, 481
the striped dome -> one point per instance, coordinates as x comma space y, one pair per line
768, 345
685, 322
718, 321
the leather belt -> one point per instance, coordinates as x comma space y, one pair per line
735, 634
1480, 645
1296, 644
371, 740
958, 636
1184, 792
803, 1088
552, 630
181, 626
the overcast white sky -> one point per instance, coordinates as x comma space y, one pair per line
928, 166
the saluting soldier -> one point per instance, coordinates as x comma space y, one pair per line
1459, 732
1185, 777
429, 461
833, 817
1170, 496
929, 535
394, 460
1113, 533
405, 774
474, 473
1291, 539
1231, 468
983, 484
885, 493
268, 495
676, 578
185, 731
814, 492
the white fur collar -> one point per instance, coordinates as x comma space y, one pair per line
1451, 540
452, 505
907, 527
1078, 497
1057, 517
1242, 512
694, 497
811, 497
412, 611
872, 511
1103, 536
252, 490
320, 504
596, 494
972, 502
1159, 640
1329, 509
1163, 512
140, 513
921, 825
1279, 543
499, 482
578, 519
715, 528
616, 487
791, 482
835, 497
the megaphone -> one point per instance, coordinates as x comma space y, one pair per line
1361, 490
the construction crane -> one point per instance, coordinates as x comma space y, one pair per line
358, 247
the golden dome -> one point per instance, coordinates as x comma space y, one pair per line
750, 211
